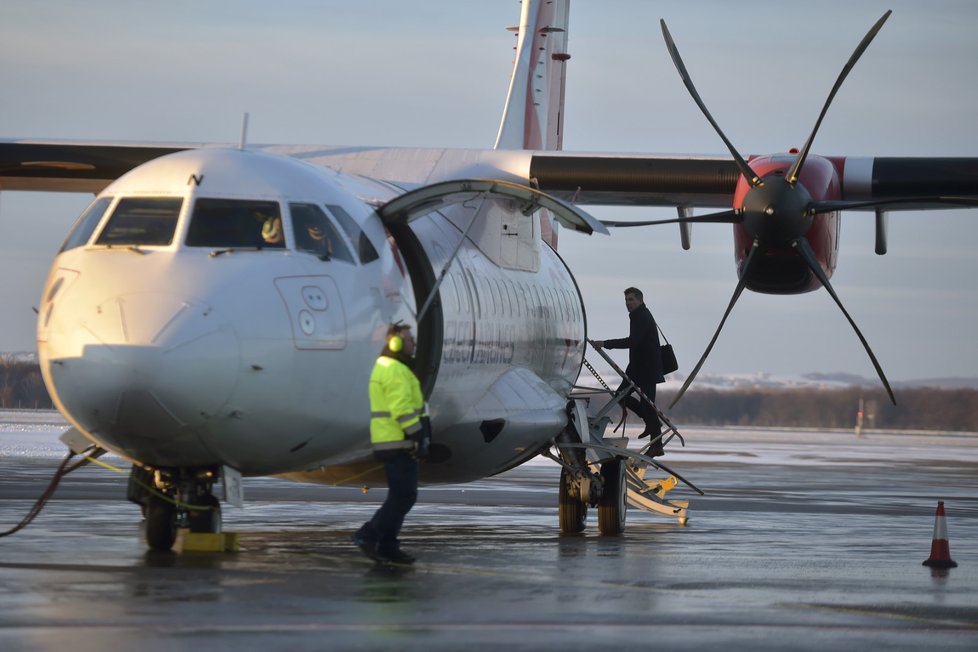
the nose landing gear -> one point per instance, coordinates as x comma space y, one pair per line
171, 499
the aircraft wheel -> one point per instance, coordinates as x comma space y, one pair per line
161, 524
611, 507
206, 520
573, 509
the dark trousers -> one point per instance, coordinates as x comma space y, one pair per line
402, 492
640, 407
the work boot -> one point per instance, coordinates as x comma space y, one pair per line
368, 546
394, 555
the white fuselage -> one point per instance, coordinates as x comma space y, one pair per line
193, 347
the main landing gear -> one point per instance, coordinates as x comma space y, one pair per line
581, 487
604, 473
611, 506
172, 499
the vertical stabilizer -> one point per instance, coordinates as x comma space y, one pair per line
533, 117
534, 114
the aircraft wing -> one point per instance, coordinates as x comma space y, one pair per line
880, 183
868, 183
72, 166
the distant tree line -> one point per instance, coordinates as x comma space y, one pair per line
21, 385
919, 408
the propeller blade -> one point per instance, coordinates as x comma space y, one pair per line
687, 80
829, 206
805, 250
741, 284
792, 176
722, 217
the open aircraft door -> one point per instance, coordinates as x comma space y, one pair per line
498, 217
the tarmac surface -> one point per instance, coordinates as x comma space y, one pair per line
804, 541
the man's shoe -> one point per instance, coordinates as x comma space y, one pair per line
650, 432
655, 450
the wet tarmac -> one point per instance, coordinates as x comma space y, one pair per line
804, 541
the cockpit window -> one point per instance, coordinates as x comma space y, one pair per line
236, 223
86, 224
316, 234
367, 251
142, 221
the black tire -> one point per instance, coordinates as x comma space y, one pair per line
612, 506
161, 524
573, 509
205, 520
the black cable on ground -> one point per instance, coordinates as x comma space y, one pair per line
39, 505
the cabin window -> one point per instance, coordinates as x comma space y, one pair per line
365, 249
142, 221
315, 233
82, 231
236, 223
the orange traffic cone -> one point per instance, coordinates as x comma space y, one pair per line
940, 551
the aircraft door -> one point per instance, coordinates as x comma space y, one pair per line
430, 335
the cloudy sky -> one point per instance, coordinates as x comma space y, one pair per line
435, 73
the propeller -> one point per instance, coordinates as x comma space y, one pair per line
805, 249
687, 80
722, 217
777, 211
842, 205
792, 175
741, 284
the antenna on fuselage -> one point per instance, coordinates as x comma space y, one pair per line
244, 130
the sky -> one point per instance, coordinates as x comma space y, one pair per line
435, 73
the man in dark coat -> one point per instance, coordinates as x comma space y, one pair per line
644, 363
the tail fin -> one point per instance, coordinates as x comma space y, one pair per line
534, 114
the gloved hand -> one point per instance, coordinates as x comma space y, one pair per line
422, 440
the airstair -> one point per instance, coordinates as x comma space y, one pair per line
600, 470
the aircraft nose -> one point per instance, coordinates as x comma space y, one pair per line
149, 370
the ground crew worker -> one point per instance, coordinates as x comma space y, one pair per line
400, 434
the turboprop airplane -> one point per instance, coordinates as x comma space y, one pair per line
215, 312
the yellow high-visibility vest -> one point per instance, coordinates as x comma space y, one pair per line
396, 404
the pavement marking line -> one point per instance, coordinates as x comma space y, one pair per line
870, 611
